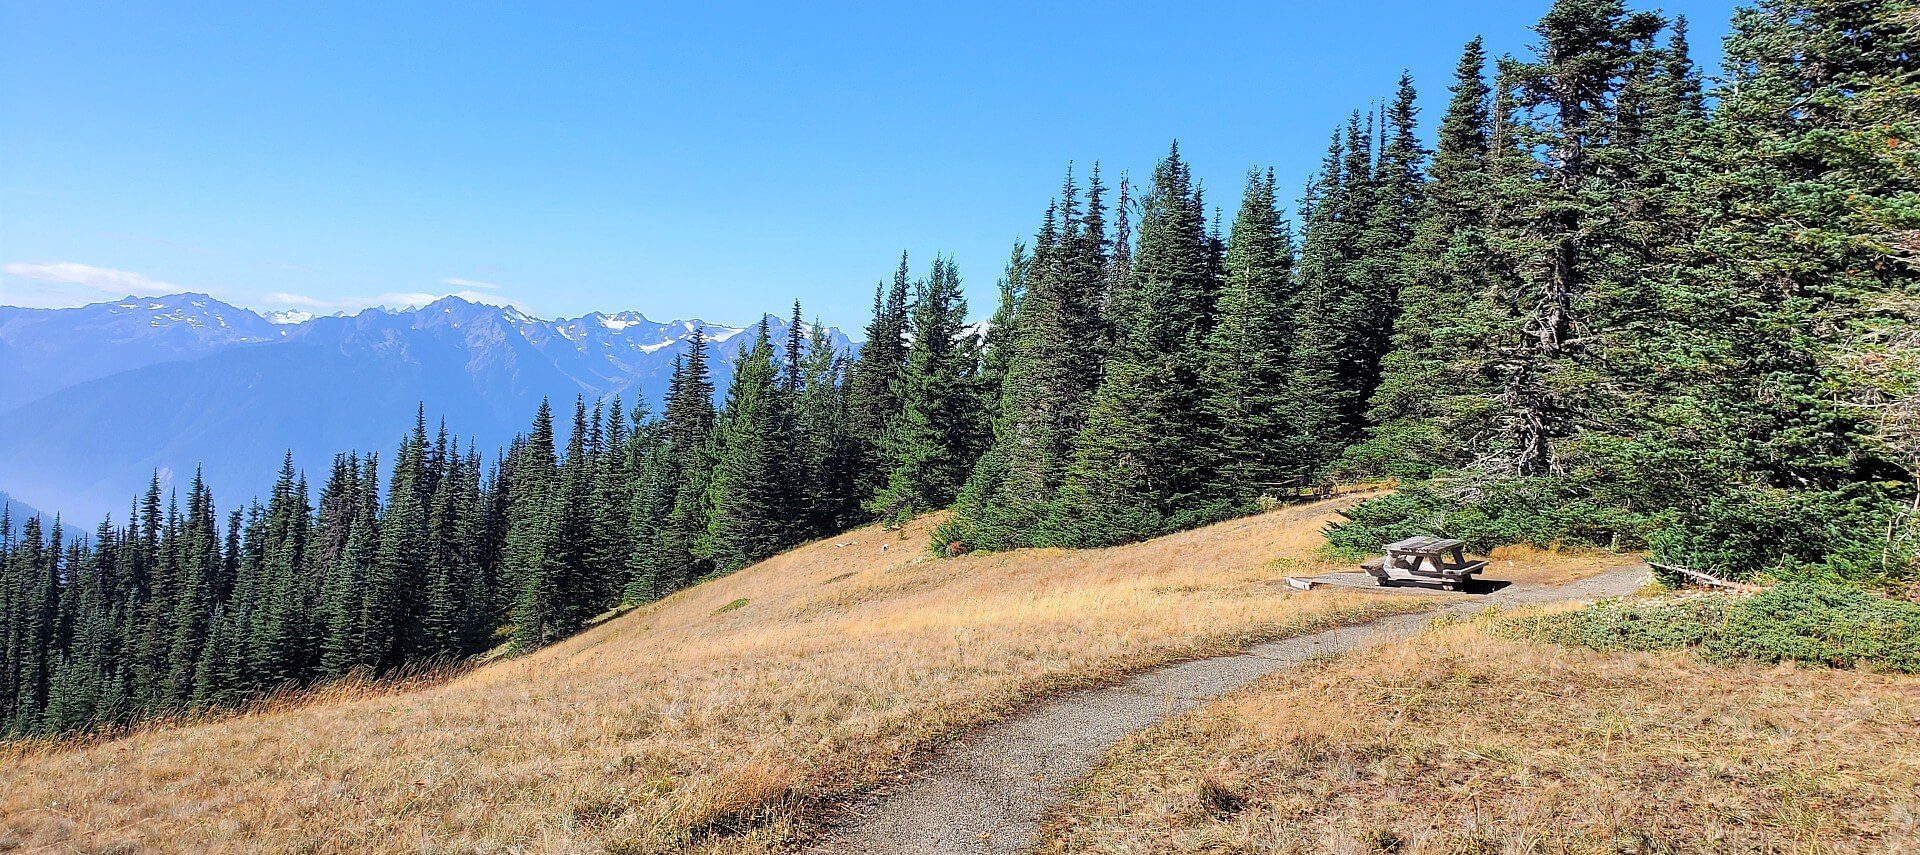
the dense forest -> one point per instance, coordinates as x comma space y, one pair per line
1610, 304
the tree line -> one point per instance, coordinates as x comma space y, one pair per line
440, 555
1609, 305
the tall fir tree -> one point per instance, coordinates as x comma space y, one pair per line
997, 345
1055, 363
1249, 346
751, 491
929, 447
684, 551
1143, 464
1437, 384
824, 452
874, 396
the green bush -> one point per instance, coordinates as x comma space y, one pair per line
1629, 624
1752, 532
1821, 623
1837, 625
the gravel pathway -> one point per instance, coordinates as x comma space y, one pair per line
986, 792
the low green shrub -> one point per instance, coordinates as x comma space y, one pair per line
1752, 532
1656, 624
1823, 623
1829, 624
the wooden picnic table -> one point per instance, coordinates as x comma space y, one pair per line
1425, 558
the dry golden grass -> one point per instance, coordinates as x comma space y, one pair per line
721, 719
1533, 565
1457, 741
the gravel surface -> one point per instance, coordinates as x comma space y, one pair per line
986, 792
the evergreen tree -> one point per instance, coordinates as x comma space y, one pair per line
874, 397
929, 447
751, 491
1586, 52
202, 567
790, 366
1054, 366
1143, 463
343, 640
684, 551
997, 346
1247, 349
1437, 386
1339, 317
279, 638
824, 454
558, 594
530, 472
445, 606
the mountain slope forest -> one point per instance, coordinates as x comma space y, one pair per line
1608, 305
221, 389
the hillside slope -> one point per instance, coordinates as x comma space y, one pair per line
720, 719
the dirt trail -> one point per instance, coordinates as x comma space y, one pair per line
987, 792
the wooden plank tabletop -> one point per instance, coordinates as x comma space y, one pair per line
1424, 545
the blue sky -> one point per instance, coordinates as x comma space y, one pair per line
688, 160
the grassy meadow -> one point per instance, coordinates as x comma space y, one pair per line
1465, 740
725, 718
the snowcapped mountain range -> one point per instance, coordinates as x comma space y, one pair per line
93, 400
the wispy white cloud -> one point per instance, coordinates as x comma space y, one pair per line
59, 284
457, 282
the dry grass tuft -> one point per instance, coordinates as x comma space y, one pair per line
722, 719
1457, 741
1536, 566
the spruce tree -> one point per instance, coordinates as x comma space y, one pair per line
1437, 384
445, 608
279, 639
1322, 319
824, 452
556, 595
1248, 348
1587, 47
929, 447
1055, 364
684, 550
997, 346
529, 476
751, 491
874, 397
342, 604
1143, 463
201, 571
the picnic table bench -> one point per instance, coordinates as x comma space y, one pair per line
1425, 559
